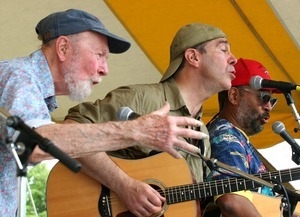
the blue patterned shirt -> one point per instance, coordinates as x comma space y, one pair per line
26, 90
231, 146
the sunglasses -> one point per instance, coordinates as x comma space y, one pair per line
263, 97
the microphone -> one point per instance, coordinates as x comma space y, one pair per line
126, 113
278, 127
257, 82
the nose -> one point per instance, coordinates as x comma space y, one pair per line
103, 68
232, 60
268, 107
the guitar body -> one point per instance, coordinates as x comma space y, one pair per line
270, 206
76, 194
266, 206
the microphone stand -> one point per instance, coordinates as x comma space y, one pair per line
290, 102
295, 150
22, 144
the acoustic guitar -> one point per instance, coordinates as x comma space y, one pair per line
76, 194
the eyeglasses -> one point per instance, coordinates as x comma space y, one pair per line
263, 97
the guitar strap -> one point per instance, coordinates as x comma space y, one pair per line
200, 144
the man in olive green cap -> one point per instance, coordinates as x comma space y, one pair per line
201, 65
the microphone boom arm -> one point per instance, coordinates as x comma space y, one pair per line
290, 102
30, 138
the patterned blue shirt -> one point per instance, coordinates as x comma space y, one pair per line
231, 146
26, 90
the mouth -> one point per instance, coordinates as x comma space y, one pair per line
265, 119
232, 75
96, 81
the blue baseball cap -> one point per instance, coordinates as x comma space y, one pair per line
74, 21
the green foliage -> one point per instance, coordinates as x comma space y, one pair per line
37, 179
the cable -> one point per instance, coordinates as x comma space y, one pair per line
31, 198
285, 206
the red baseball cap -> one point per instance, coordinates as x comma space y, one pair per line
245, 69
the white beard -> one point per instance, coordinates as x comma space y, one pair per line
78, 90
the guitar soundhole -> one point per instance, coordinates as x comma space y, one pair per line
125, 214
129, 214
161, 192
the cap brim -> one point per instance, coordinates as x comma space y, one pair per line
174, 65
116, 44
274, 90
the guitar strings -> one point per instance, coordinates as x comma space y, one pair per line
199, 190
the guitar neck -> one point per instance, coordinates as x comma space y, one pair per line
189, 192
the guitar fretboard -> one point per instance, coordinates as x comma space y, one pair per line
216, 187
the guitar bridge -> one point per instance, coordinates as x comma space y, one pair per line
104, 205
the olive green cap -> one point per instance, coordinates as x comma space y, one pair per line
189, 36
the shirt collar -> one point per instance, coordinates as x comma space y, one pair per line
173, 95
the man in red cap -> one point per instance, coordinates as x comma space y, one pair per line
243, 112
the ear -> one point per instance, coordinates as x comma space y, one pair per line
192, 56
62, 46
234, 96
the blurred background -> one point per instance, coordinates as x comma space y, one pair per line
264, 30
